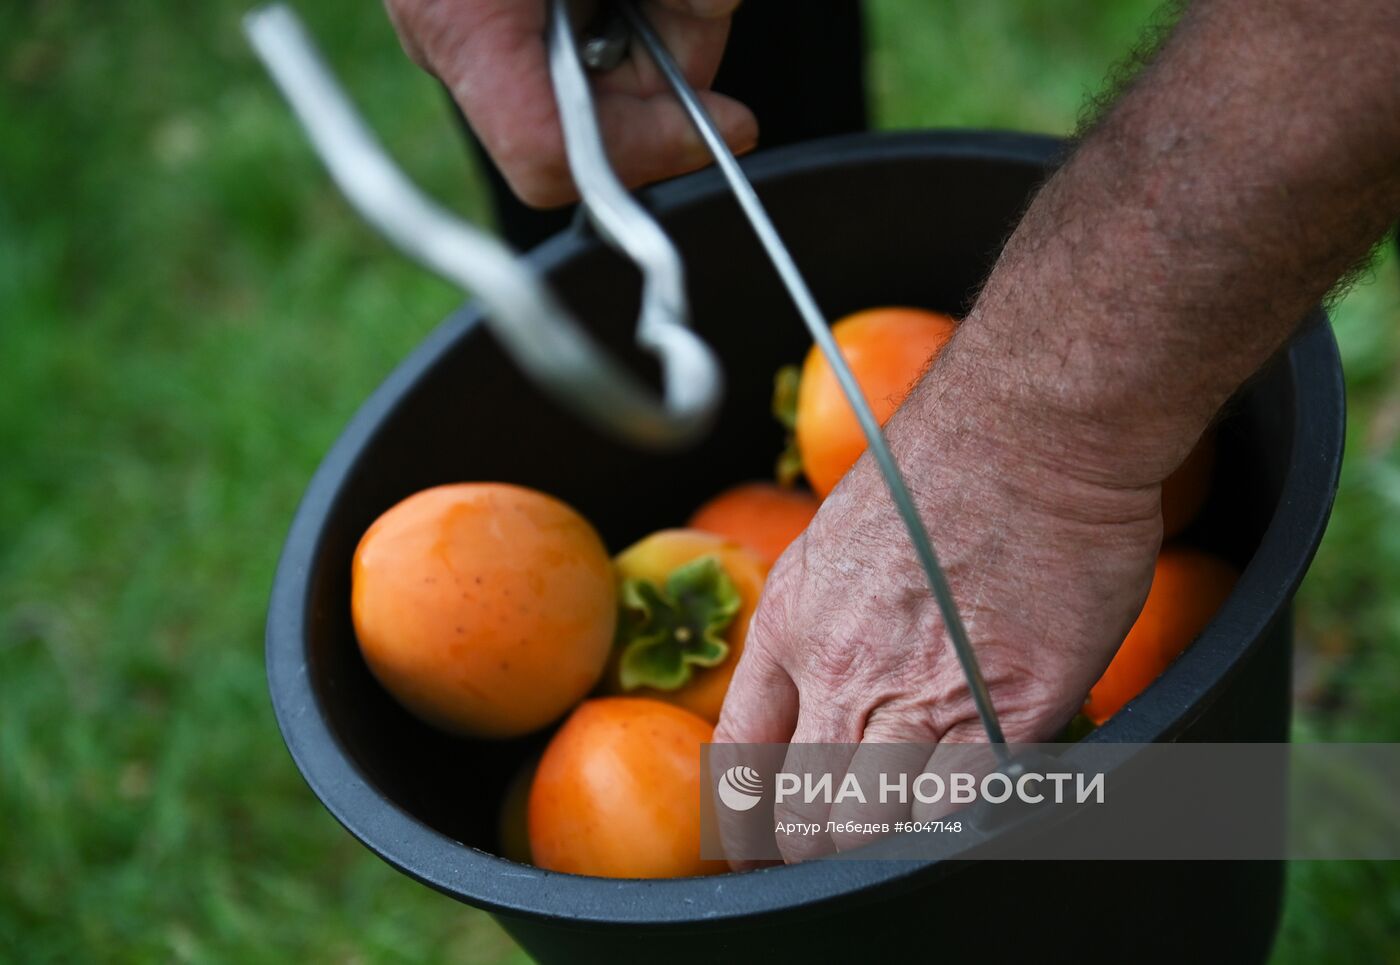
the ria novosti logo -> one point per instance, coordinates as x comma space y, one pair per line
740, 787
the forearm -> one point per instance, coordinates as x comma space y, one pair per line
1246, 169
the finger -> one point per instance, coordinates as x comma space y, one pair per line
761, 705
760, 708
891, 754
651, 138
896, 740
648, 138
696, 45
963, 750
822, 744
492, 58
497, 70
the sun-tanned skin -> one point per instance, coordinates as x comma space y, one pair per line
1250, 164
491, 55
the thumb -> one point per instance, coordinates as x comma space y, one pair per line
761, 706
762, 703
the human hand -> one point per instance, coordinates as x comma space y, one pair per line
1049, 552
491, 55
1162, 265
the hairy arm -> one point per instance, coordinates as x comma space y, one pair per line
1247, 167
1253, 161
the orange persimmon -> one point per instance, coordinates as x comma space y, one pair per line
617, 792
484, 608
1188, 587
888, 349
762, 516
685, 599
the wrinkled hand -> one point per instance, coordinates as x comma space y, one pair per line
1049, 557
491, 54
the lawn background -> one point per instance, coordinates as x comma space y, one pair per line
188, 315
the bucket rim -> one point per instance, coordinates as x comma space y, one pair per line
502, 886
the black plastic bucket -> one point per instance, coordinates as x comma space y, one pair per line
872, 219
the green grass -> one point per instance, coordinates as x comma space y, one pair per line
188, 315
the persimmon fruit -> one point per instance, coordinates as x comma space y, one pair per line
485, 609
617, 792
1188, 587
888, 349
513, 823
762, 516
685, 599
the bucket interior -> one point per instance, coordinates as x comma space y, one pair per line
906, 227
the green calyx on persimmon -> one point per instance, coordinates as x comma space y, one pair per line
665, 633
786, 382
